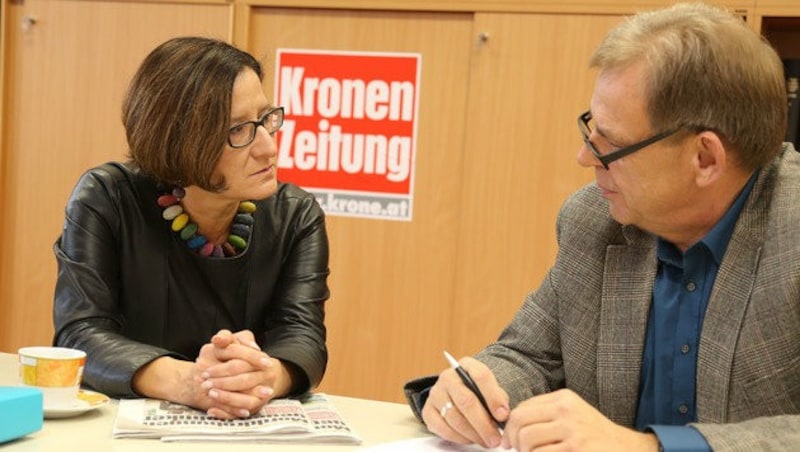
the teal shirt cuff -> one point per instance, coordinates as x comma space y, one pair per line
679, 438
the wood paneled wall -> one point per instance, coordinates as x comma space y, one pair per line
64, 78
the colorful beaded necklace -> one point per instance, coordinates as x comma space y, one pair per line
183, 225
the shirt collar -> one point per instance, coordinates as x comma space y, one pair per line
716, 241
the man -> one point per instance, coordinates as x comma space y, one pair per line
671, 317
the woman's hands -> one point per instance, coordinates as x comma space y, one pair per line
238, 376
231, 378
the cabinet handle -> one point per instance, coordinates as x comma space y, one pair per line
483, 37
27, 22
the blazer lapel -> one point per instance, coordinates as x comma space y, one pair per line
723, 322
627, 293
728, 304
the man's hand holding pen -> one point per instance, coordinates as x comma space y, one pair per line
455, 413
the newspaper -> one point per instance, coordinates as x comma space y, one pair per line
311, 418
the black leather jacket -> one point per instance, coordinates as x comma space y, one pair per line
129, 290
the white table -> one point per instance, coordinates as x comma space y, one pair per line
376, 422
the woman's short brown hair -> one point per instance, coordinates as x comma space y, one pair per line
177, 110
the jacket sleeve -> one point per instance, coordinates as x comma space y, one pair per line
86, 312
295, 328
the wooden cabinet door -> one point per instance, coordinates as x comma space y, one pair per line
67, 65
391, 281
529, 82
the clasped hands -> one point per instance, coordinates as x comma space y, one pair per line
560, 420
235, 377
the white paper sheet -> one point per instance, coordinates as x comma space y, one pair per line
431, 444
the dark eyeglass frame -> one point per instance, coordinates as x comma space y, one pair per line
607, 159
258, 122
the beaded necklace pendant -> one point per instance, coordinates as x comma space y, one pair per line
181, 224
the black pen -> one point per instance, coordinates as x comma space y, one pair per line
470, 383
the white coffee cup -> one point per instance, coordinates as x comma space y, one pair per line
56, 371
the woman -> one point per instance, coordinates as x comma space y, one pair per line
189, 273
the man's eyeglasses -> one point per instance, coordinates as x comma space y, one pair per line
585, 126
243, 134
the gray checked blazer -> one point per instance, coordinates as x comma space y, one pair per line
584, 328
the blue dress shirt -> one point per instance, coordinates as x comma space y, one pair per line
681, 292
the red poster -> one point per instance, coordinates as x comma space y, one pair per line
349, 134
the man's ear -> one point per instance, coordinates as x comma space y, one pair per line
711, 159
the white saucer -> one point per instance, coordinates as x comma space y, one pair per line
86, 401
